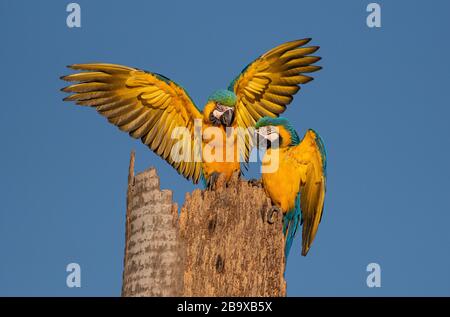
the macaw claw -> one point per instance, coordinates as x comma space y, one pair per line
212, 181
270, 214
255, 182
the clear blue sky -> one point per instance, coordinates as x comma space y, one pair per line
381, 104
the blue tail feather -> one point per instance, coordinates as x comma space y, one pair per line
203, 180
290, 225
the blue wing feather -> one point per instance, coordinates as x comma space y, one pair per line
291, 221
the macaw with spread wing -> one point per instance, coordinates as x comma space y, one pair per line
297, 184
149, 106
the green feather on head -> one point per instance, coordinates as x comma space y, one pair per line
224, 97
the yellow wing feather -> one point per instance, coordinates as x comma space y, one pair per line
267, 85
148, 106
313, 185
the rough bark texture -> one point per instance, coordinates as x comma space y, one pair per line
231, 249
219, 245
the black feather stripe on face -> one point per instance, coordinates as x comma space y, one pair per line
215, 122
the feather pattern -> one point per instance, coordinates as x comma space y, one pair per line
149, 106
267, 85
291, 221
146, 105
298, 186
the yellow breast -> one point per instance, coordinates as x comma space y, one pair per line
283, 183
219, 151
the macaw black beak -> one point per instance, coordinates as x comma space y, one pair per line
227, 117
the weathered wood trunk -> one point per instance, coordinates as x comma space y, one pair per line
219, 245
153, 263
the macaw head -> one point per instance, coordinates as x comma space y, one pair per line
221, 107
275, 132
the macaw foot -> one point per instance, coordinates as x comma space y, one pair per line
270, 214
212, 181
255, 182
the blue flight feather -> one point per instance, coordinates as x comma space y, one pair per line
290, 225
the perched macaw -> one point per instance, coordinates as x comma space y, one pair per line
150, 106
298, 183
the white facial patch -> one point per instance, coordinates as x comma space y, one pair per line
269, 133
268, 130
220, 110
262, 131
272, 137
217, 114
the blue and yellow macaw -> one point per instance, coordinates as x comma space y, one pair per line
149, 106
298, 183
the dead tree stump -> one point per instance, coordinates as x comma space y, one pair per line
153, 263
219, 245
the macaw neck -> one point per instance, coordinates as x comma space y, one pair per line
276, 150
285, 136
271, 160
